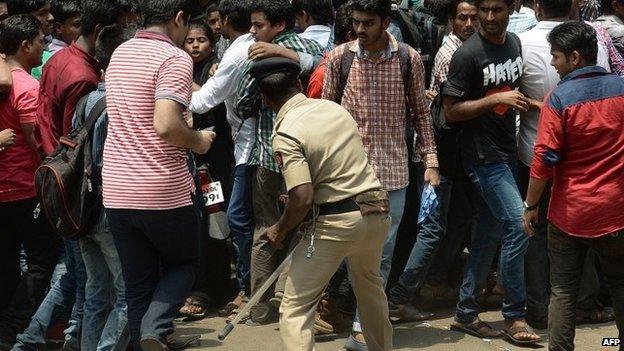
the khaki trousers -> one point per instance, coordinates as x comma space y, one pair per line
266, 189
348, 236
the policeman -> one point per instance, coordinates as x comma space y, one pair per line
334, 191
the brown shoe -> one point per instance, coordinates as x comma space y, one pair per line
407, 312
330, 314
321, 327
235, 304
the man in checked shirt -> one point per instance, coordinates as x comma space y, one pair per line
374, 95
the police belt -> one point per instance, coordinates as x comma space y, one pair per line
342, 206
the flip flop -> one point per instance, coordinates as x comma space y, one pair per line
477, 328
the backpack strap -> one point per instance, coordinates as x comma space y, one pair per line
345, 68
405, 62
95, 113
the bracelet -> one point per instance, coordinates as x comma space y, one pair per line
528, 208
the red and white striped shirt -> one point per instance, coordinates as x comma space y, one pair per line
141, 170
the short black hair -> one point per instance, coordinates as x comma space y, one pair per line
214, 7
109, 40
62, 10
509, 3
237, 13
279, 87
163, 11
456, 5
276, 11
206, 28
555, 8
343, 24
575, 36
381, 8
15, 29
18, 7
320, 10
94, 12
128, 6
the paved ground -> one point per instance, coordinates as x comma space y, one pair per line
433, 335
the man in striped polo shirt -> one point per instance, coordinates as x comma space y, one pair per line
147, 185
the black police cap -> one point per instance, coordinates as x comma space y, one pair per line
266, 67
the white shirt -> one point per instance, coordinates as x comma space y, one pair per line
538, 79
222, 88
318, 33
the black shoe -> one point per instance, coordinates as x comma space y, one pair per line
407, 312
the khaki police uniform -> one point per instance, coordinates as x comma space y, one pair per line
317, 142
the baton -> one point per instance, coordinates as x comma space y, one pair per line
256, 297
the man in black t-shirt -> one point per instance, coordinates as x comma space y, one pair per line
480, 96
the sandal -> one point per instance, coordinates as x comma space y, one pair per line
511, 332
195, 307
477, 328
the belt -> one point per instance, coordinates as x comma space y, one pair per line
343, 206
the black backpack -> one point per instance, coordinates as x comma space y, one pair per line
63, 182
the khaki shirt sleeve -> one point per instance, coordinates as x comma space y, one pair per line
290, 157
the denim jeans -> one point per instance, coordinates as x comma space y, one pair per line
498, 221
458, 229
431, 232
65, 298
159, 253
105, 320
22, 292
397, 205
240, 219
567, 258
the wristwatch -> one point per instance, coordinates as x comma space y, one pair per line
528, 208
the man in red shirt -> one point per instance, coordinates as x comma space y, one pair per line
21, 37
343, 33
580, 145
71, 74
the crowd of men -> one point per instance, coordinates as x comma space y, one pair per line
470, 151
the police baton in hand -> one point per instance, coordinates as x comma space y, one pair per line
255, 298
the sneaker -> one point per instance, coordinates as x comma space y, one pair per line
353, 345
407, 312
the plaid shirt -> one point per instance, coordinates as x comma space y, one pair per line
375, 97
616, 62
443, 61
249, 102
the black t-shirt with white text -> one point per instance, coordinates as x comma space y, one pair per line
480, 68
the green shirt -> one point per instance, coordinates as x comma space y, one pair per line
38, 71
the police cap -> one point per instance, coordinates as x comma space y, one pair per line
266, 67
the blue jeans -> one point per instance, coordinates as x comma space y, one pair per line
499, 221
240, 220
159, 253
431, 232
397, 205
65, 298
105, 320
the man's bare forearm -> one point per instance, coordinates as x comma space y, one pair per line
300, 201
458, 111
